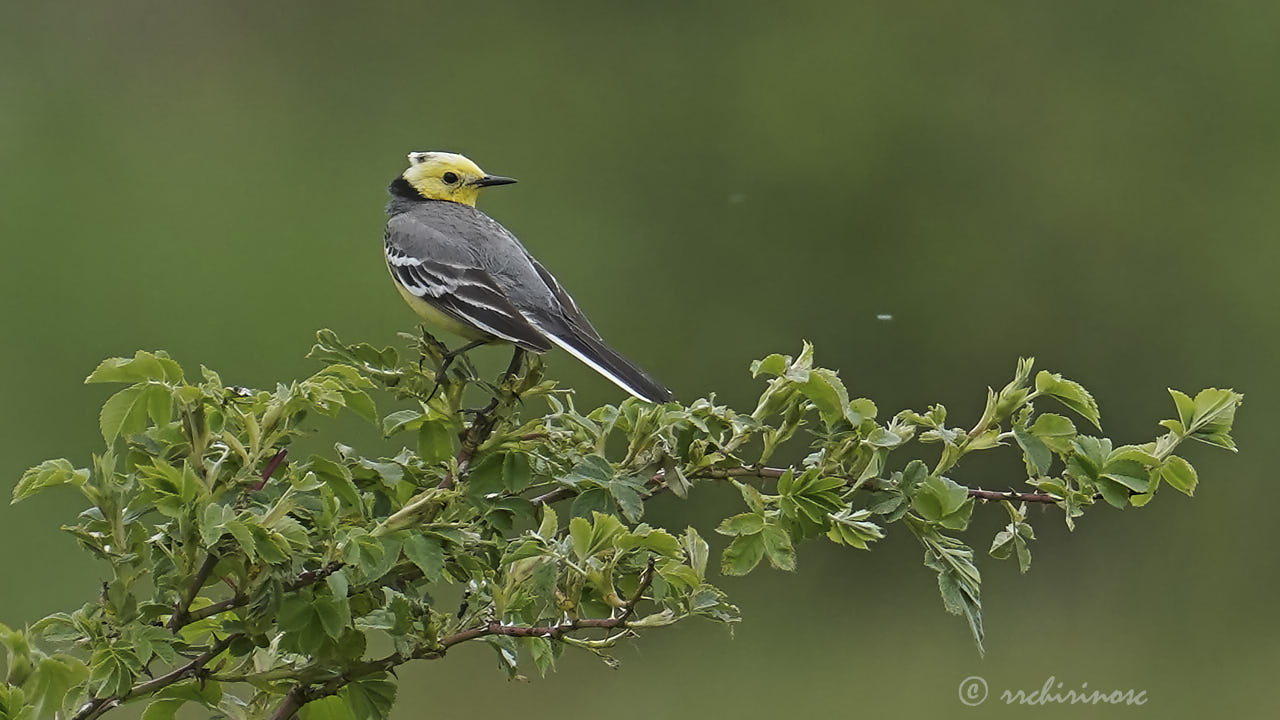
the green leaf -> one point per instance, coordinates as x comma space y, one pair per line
1037, 454
142, 367
744, 524
742, 555
550, 523
48, 686
827, 393
543, 654
334, 707
593, 469
938, 497
1130, 473
674, 477
1069, 393
628, 499
1180, 474
580, 534
591, 501
1055, 431
517, 474
334, 613
124, 413
774, 364
1186, 407
359, 402
13, 703
371, 698
47, 474
401, 420
165, 709
112, 669
697, 551
435, 441
778, 548
1113, 492
427, 554
337, 478
1215, 412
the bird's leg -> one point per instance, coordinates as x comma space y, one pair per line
512, 371
449, 356
517, 360
429, 341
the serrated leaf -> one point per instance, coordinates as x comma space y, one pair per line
743, 524
580, 534
47, 474
591, 501
164, 709
142, 367
1055, 431
435, 441
1130, 473
774, 364
401, 420
1037, 454
1180, 474
697, 551
778, 548
427, 554
742, 555
1069, 393
124, 413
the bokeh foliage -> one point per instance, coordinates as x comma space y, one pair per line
256, 586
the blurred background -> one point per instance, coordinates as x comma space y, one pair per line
1090, 183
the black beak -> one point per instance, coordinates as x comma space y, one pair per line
489, 180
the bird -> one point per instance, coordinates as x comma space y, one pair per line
463, 272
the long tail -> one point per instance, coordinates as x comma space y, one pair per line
606, 361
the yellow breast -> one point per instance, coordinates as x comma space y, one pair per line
437, 319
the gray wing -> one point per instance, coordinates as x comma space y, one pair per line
445, 260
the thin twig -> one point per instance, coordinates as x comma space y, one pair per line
179, 617
98, 706
302, 693
270, 469
773, 473
480, 428
304, 579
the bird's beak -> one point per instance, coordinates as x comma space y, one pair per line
489, 180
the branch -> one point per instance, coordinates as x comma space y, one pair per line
774, 473
180, 609
270, 469
303, 580
98, 706
302, 693
481, 427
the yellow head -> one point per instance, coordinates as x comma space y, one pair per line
446, 176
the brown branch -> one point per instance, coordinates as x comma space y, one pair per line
179, 617
773, 473
98, 706
304, 579
272, 465
481, 427
303, 693
181, 608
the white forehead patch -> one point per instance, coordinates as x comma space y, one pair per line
418, 158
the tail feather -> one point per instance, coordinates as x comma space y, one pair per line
606, 361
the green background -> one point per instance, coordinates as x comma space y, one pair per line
1092, 183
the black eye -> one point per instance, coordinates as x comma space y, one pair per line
449, 178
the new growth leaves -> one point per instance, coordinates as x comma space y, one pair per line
251, 583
